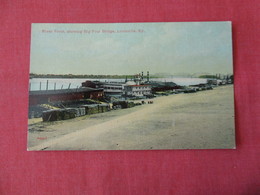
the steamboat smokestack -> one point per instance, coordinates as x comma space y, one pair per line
147, 76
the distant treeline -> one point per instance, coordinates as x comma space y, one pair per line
33, 75
91, 76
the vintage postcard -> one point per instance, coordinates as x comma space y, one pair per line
131, 86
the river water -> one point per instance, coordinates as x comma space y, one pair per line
61, 83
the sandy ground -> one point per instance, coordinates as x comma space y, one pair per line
202, 120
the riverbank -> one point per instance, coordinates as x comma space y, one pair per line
182, 121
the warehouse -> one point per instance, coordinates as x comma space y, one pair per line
52, 96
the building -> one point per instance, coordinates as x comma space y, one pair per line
52, 96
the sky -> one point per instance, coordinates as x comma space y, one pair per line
130, 48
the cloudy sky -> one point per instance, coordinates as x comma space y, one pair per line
129, 48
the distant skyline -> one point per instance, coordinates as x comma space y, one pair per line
130, 48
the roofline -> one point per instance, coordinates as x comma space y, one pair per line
64, 91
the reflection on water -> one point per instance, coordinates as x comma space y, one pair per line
61, 83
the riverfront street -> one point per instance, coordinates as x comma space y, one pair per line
202, 120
